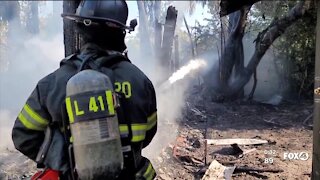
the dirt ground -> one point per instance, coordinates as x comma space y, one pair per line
14, 165
286, 127
282, 126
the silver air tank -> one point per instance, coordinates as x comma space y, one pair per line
90, 101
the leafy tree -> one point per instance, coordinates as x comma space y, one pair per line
228, 66
295, 57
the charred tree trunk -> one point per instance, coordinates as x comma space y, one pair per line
232, 58
11, 14
316, 112
157, 40
10, 10
265, 39
145, 44
71, 38
157, 31
33, 18
255, 81
168, 36
228, 6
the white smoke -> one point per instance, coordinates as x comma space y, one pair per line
28, 57
5, 129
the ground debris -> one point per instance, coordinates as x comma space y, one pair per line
15, 166
185, 157
218, 172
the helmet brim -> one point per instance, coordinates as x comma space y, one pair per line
98, 20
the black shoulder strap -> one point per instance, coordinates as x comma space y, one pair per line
110, 60
70, 60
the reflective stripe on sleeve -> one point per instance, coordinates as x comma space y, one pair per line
32, 120
152, 120
138, 131
150, 172
28, 124
35, 116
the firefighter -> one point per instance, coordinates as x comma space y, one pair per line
102, 25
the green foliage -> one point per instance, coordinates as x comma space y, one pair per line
207, 37
295, 53
294, 50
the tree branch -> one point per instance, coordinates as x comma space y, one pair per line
274, 30
267, 37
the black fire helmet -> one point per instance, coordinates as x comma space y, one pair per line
113, 13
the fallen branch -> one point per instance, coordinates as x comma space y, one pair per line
198, 112
236, 141
249, 169
307, 119
273, 123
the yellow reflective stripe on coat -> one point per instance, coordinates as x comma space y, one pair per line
32, 120
152, 120
150, 172
138, 131
35, 116
28, 124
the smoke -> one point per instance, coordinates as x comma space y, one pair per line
5, 130
268, 84
29, 57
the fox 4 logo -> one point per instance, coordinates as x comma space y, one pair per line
296, 156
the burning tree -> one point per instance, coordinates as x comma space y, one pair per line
232, 51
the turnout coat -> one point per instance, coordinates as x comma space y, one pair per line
46, 107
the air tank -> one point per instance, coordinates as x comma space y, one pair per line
94, 125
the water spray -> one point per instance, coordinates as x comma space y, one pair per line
192, 66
